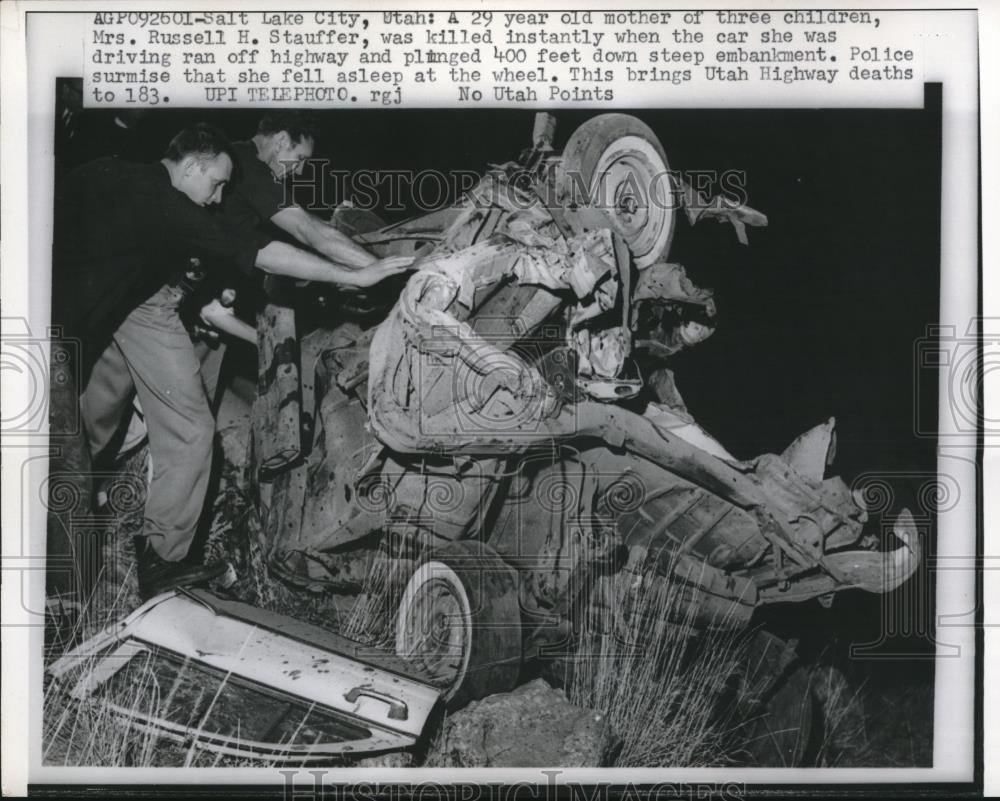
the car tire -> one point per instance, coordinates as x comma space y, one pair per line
459, 622
628, 154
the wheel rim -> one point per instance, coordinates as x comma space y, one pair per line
632, 186
434, 626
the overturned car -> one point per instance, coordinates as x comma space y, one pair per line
511, 431
478, 465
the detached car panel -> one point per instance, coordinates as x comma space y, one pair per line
245, 682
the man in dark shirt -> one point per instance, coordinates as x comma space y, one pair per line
260, 194
121, 231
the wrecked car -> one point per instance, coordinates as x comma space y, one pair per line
477, 464
511, 432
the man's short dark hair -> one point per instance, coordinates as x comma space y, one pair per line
203, 141
298, 125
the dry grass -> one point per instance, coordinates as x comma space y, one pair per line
844, 730
661, 687
92, 732
372, 619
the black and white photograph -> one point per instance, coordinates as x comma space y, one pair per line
562, 440
532, 436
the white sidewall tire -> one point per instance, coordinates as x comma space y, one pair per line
602, 141
656, 189
427, 574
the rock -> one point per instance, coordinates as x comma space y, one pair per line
394, 759
533, 726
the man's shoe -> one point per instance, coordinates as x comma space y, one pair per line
157, 575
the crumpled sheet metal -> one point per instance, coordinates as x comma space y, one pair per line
806, 506
698, 207
685, 427
601, 353
793, 514
580, 265
879, 571
451, 392
495, 213
434, 378
812, 452
669, 281
438, 388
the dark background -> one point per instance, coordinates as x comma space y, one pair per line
820, 316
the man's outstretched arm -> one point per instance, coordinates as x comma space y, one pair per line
279, 258
198, 232
322, 237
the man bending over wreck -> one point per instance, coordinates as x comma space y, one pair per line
260, 194
122, 230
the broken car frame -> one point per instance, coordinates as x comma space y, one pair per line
497, 437
504, 376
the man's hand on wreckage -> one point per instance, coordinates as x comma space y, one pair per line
381, 269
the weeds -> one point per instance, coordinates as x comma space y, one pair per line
844, 732
372, 619
661, 687
98, 731
777, 704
